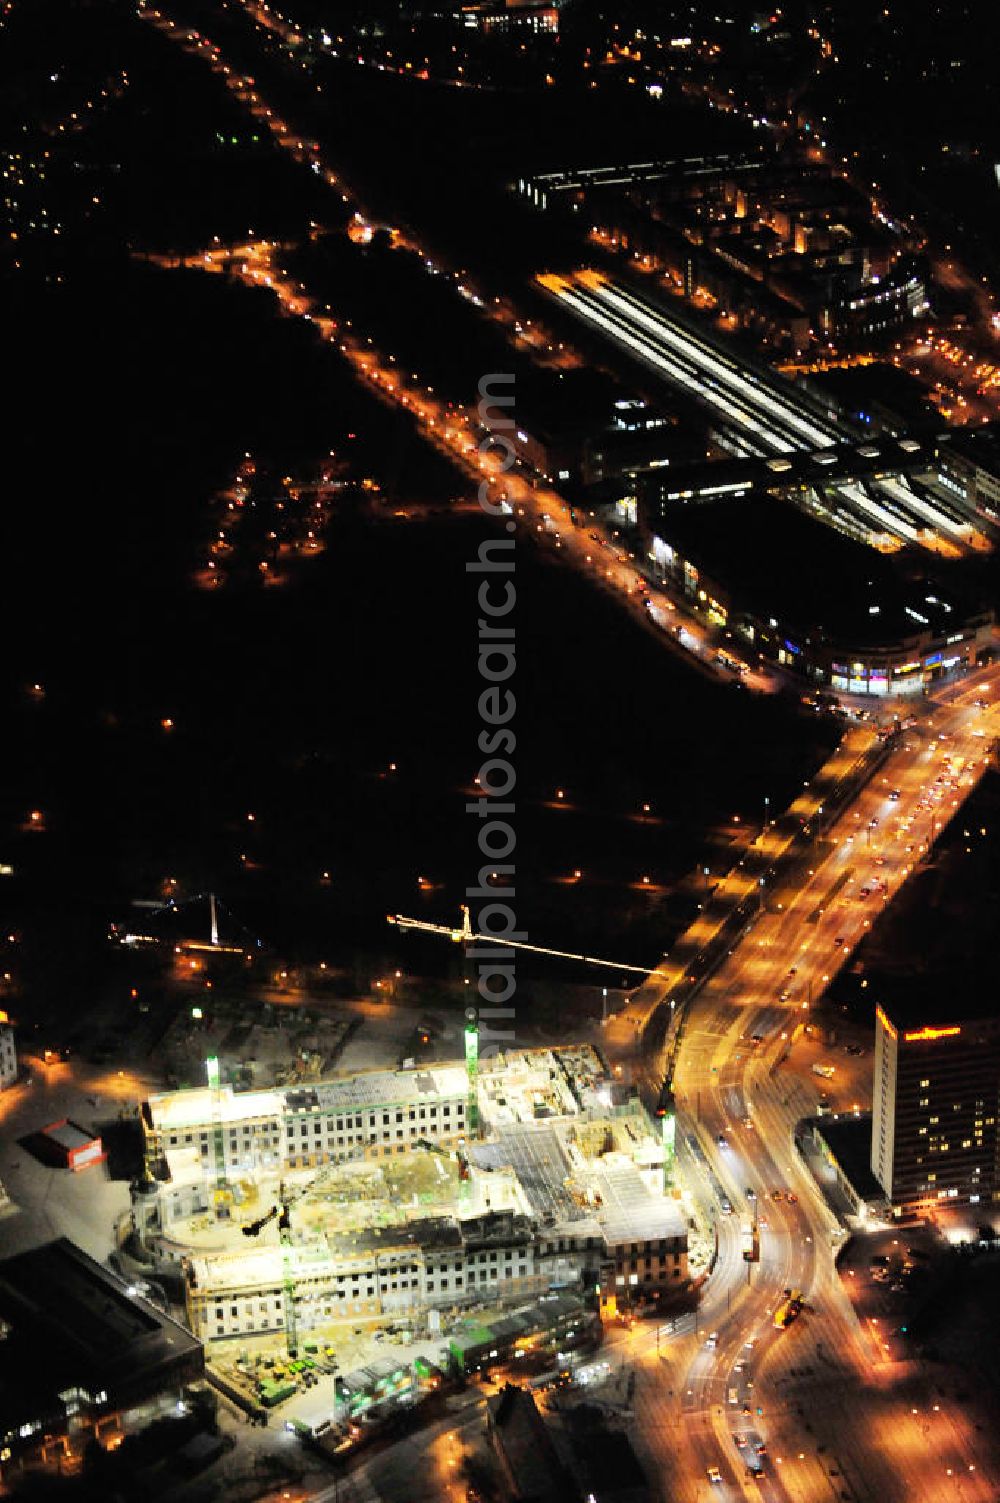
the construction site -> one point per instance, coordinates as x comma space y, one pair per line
257, 1044
312, 1226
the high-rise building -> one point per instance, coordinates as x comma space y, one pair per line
934, 1120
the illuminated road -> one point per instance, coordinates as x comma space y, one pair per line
841, 1414
425, 1467
742, 891
455, 433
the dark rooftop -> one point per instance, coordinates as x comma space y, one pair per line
428, 1231
68, 1135
881, 391
550, 403
929, 1001
849, 1139
981, 445
777, 562
71, 1324
610, 1466
521, 1438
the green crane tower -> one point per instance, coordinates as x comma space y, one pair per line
472, 1071
288, 1277
288, 1280
213, 1073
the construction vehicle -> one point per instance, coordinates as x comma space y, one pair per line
789, 1308
254, 1228
464, 1172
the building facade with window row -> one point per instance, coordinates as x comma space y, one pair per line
392, 1271
934, 1119
374, 1114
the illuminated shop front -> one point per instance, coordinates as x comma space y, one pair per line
840, 616
901, 673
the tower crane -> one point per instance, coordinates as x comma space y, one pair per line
466, 934
253, 1229
281, 1211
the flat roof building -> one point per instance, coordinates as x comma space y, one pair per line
969, 460
580, 425
844, 1144
74, 1342
72, 1145
369, 1386
813, 599
377, 1112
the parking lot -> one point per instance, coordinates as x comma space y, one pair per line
885, 1274
55, 1202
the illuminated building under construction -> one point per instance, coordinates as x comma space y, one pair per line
371, 1196
377, 1113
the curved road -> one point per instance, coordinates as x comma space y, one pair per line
842, 1419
